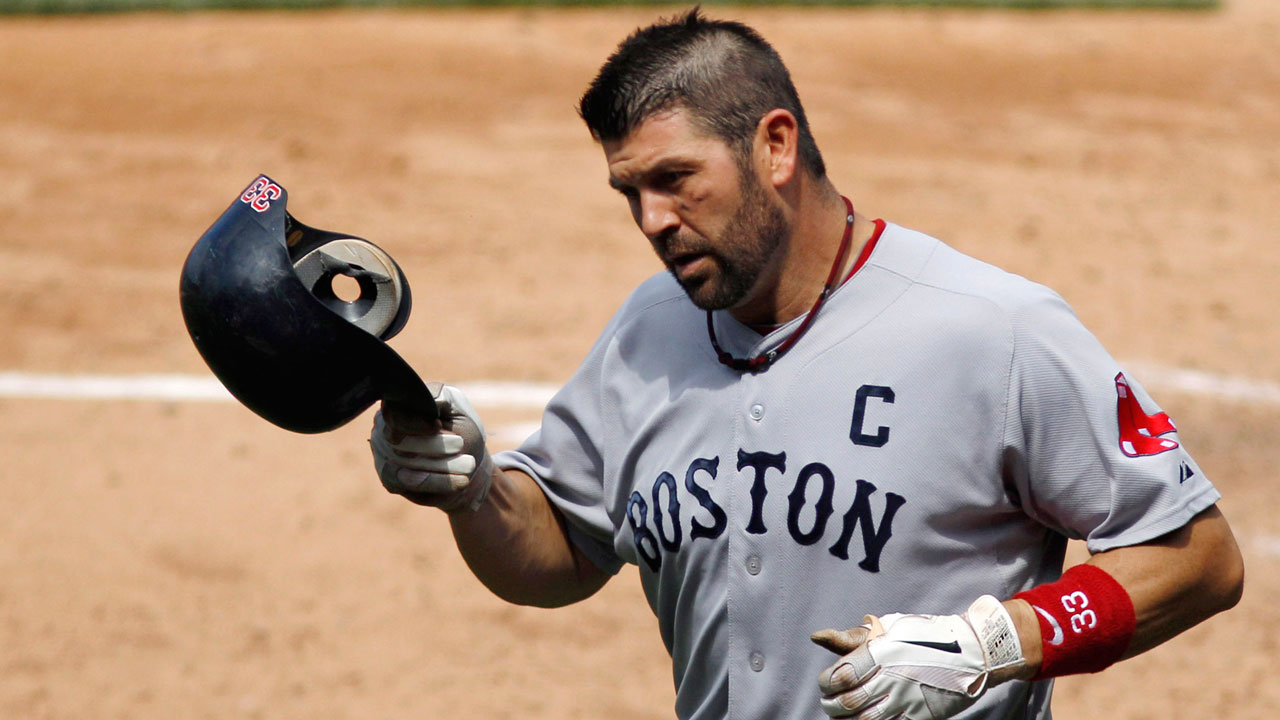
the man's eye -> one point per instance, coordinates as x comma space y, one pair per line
671, 179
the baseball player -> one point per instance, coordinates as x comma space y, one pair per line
821, 427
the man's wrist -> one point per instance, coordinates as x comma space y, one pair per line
1086, 619
998, 641
1028, 627
469, 499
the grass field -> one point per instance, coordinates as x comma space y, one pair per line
97, 6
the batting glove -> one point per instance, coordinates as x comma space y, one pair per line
448, 467
919, 667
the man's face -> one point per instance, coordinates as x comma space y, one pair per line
708, 217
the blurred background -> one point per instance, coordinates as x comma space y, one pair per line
164, 553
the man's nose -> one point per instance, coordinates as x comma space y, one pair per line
656, 214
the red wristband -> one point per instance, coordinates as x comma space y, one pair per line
1086, 621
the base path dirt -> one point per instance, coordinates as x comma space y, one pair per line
186, 560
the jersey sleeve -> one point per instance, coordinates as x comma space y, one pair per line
1087, 452
565, 457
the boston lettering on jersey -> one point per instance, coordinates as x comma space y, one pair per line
667, 531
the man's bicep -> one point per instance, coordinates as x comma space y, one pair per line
1178, 579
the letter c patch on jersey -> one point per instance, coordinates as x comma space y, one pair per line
1139, 432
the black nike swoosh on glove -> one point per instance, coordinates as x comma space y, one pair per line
951, 647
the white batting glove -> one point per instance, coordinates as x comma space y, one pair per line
919, 667
449, 467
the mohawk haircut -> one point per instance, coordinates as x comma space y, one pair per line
721, 72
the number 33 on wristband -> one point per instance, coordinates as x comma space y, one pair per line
1084, 619
1097, 610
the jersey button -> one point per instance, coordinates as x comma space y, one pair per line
753, 565
757, 412
757, 661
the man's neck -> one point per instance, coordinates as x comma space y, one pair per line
805, 262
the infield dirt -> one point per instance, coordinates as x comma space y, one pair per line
184, 560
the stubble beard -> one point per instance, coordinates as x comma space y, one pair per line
739, 255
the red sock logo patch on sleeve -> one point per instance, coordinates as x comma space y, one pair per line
1139, 432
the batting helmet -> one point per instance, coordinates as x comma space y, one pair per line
258, 300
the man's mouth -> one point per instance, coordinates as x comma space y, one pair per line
687, 262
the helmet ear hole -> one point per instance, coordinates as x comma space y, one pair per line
346, 288
359, 270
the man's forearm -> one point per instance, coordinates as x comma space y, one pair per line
1174, 582
516, 545
1178, 580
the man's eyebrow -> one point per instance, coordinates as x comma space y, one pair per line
673, 164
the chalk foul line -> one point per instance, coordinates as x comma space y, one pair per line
206, 388
1228, 388
527, 395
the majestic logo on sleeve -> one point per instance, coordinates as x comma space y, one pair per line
1139, 432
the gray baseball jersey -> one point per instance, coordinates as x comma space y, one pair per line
938, 434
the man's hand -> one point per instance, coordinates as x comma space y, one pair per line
445, 465
919, 667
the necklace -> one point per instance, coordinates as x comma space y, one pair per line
762, 361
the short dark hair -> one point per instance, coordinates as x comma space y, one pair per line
722, 72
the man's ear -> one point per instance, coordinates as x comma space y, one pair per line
778, 139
